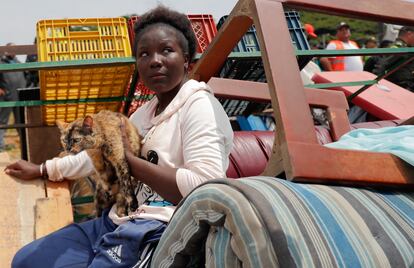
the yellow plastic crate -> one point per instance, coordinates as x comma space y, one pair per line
82, 39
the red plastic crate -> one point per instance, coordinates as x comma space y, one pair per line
203, 26
131, 23
142, 94
204, 30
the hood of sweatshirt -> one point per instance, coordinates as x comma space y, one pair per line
187, 90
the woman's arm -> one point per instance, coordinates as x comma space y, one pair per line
324, 61
325, 64
160, 179
206, 135
57, 169
23, 170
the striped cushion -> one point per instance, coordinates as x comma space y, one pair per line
267, 222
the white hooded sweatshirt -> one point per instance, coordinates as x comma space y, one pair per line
192, 134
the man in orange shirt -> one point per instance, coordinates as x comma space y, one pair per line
341, 63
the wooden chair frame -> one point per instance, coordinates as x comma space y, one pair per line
303, 159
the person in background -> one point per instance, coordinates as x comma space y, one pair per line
313, 66
310, 30
404, 76
9, 83
385, 43
342, 63
32, 77
342, 41
371, 42
372, 61
187, 140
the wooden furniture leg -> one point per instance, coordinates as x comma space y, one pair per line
302, 157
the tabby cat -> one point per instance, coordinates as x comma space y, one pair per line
100, 135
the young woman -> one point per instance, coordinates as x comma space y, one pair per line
187, 140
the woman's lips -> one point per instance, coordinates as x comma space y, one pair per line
159, 75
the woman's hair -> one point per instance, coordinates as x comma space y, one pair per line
178, 21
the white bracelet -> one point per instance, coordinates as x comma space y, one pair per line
41, 170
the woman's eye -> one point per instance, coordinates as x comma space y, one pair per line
143, 54
167, 50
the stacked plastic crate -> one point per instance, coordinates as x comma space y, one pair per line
251, 68
82, 39
204, 29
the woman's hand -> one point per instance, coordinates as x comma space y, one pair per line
23, 170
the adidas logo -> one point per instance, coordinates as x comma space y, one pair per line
115, 253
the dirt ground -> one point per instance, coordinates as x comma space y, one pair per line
12, 142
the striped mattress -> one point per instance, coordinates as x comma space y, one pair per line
268, 222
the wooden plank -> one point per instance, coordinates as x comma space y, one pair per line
54, 210
19, 49
51, 214
17, 214
390, 11
37, 151
318, 164
220, 47
259, 92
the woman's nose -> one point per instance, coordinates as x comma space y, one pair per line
155, 60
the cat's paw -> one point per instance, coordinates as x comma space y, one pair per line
121, 211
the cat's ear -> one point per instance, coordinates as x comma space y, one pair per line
87, 125
62, 125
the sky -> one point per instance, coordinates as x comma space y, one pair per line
19, 17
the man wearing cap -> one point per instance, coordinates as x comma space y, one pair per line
404, 77
341, 63
310, 30
311, 68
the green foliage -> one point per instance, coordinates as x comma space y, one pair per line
326, 24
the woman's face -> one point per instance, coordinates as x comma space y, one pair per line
161, 62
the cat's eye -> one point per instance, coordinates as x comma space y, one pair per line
76, 140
